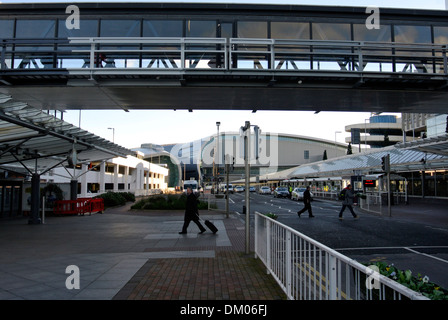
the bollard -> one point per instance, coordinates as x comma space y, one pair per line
244, 209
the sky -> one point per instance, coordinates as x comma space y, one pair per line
133, 128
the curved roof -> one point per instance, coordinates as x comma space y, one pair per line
31, 138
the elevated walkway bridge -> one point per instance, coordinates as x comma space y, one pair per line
224, 56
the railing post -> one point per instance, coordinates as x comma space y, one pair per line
3, 56
288, 264
268, 245
256, 235
444, 60
360, 58
332, 284
182, 53
92, 54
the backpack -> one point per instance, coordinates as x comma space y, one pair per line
341, 196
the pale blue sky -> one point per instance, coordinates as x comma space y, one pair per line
167, 126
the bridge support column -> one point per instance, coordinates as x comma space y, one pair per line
35, 197
73, 189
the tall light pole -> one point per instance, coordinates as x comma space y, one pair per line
336, 132
113, 134
217, 155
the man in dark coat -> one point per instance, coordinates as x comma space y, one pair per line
307, 203
348, 202
191, 212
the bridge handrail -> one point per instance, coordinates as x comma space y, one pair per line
428, 58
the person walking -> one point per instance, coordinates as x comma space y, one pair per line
307, 203
348, 202
191, 212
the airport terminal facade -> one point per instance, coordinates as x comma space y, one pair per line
212, 56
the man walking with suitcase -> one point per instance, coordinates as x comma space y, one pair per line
191, 212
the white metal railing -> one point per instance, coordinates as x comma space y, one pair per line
119, 54
308, 270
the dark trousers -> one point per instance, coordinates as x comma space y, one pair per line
349, 207
187, 223
307, 207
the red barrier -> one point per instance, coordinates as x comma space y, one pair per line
79, 206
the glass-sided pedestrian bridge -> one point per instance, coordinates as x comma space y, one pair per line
224, 56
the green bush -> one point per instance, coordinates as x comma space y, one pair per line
166, 202
112, 199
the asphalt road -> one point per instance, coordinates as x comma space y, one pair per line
419, 247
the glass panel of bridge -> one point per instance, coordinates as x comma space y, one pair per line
128, 57
201, 29
289, 54
331, 54
375, 57
6, 31
37, 53
202, 55
252, 55
440, 38
161, 53
88, 28
413, 55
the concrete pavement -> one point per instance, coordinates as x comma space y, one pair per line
124, 254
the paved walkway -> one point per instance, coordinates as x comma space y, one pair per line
133, 255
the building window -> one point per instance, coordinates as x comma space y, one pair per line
205, 29
120, 28
35, 29
253, 29
88, 28
6, 28
290, 30
162, 28
306, 154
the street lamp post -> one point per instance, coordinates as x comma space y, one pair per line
113, 134
217, 155
335, 146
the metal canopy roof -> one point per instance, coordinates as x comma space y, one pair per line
401, 160
38, 141
438, 145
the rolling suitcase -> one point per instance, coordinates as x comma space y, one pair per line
211, 226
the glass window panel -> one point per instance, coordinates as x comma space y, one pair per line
252, 29
331, 31
6, 28
361, 33
441, 35
412, 34
162, 28
290, 30
226, 30
120, 28
206, 29
88, 28
35, 28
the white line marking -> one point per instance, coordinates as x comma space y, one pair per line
426, 255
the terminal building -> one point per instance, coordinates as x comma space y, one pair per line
204, 161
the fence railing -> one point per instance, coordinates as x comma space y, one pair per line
308, 270
111, 54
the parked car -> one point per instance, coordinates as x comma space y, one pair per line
264, 190
297, 194
281, 192
238, 189
252, 189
